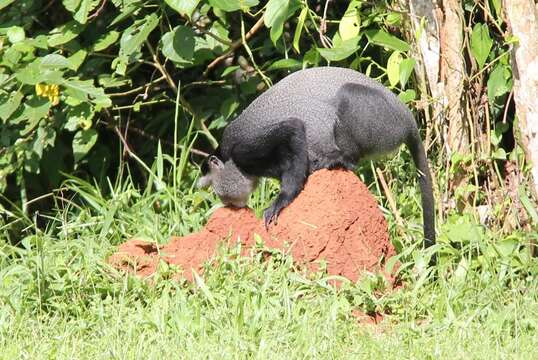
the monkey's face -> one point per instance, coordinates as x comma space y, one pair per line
231, 185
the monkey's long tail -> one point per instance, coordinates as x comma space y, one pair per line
428, 212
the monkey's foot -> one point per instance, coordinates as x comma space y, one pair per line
270, 215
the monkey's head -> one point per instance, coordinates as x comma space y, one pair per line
231, 185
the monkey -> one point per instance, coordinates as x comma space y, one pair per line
315, 118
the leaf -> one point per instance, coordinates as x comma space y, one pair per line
498, 9
77, 59
218, 29
393, 68
84, 90
526, 202
393, 18
275, 16
499, 154
79, 116
133, 37
463, 232
45, 138
312, 57
350, 23
382, 38
285, 64
481, 43
11, 104
461, 271
105, 40
406, 69
407, 95
33, 73
129, 8
497, 83
229, 70
80, 8
71, 5
299, 28
15, 34
64, 33
35, 109
54, 61
178, 45
233, 5
184, 7
506, 246
228, 107
85, 7
83, 141
342, 51
40, 41
111, 81
3, 4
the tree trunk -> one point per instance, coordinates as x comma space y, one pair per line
522, 17
428, 42
452, 72
429, 59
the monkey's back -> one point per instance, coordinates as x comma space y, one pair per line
311, 96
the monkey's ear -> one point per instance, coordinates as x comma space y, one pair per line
215, 163
204, 181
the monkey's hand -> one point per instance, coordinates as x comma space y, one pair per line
270, 215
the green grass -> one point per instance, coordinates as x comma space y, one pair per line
60, 299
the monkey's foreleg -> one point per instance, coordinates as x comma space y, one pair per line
279, 151
293, 163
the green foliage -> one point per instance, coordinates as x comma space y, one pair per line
350, 23
481, 43
79, 73
382, 38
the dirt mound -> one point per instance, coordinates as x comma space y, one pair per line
334, 219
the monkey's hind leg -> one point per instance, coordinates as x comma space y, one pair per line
279, 151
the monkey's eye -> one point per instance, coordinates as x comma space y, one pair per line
214, 160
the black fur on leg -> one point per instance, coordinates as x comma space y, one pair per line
294, 170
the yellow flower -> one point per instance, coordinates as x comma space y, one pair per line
52, 91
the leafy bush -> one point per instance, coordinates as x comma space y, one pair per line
80, 76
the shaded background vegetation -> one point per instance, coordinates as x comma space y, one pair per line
89, 86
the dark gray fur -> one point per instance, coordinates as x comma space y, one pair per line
324, 117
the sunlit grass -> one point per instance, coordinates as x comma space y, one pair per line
60, 299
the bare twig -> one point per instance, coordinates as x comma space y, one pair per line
157, 64
98, 11
126, 146
203, 83
115, 108
135, 90
505, 115
487, 11
109, 125
214, 36
166, 142
266, 80
323, 27
160, 67
234, 46
49, 4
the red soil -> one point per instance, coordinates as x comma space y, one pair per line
334, 218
